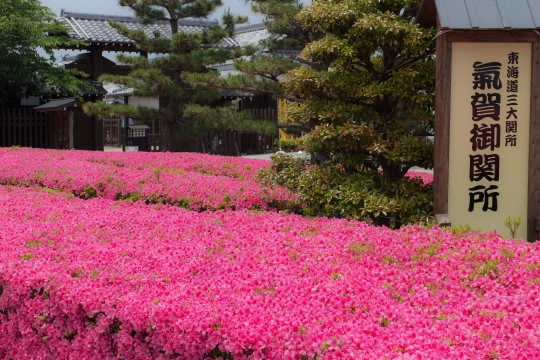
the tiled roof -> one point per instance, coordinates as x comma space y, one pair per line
227, 68
285, 53
116, 90
96, 29
74, 59
95, 89
481, 14
251, 34
59, 104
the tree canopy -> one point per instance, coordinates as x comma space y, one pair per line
371, 85
25, 27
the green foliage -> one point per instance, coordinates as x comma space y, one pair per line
281, 20
461, 229
327, 190
369, 95
27, 256
89, 192
512, 224
224, 119
26, 26
216, 353
285, 143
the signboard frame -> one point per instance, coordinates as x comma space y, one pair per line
445, 39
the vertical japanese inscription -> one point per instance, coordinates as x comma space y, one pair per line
512, 91
489, 131
486, 106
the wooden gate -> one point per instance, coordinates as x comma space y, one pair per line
112, 132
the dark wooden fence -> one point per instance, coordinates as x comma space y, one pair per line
228, 144
26, 127
222, 143
264, 114
219, 143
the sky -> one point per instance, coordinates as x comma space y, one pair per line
111, 7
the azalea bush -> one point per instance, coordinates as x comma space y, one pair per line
102, 279
193, 181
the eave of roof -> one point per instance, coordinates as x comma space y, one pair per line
95, 29
480, 14
59, 105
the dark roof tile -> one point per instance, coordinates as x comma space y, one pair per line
96, 29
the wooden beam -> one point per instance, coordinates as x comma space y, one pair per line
534, 150
97, 61
503, 36
442, 124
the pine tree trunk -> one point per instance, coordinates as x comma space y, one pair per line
169, 126
167, 136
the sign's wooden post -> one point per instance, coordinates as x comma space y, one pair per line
487, 125
442, 124
533, 225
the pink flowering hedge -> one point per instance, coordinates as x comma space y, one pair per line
100, 279
193, 181
427, 178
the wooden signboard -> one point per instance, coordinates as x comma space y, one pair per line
477, 183
489, 134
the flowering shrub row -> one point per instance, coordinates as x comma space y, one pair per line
100, 279
194, 181
426, 177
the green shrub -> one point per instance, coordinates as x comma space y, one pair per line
327, 190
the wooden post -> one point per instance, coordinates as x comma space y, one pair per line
534, 150
3, 118
26, 129
41, 128
97, 63
9, 129
19, 122
442, 124
70, 119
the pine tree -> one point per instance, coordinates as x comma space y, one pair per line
163, 76
262, 73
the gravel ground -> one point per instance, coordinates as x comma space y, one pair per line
300, 154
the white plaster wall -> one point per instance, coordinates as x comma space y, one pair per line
152, 103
